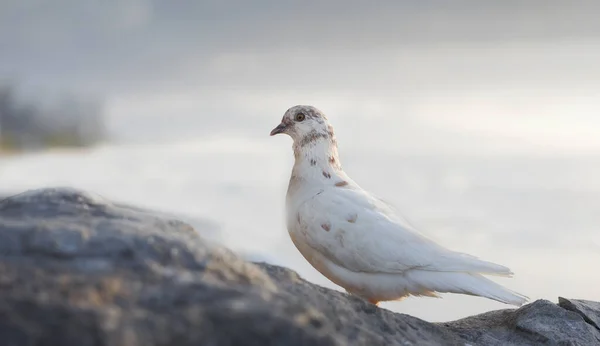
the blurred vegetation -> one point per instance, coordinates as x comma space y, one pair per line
31, 123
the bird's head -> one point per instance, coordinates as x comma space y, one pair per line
304, 124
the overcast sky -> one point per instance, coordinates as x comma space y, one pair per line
443, 63
116, 43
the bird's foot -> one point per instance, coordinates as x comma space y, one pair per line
374, 302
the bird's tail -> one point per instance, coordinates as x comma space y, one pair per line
464, 283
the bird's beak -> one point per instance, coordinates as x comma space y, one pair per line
279, 129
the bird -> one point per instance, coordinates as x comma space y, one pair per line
360, 242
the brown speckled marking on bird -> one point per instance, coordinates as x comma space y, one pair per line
313, 162
333, 162
341, 183
326, 175
352, 218
330, 131
331, 135
311, 137
298, 217
326, 226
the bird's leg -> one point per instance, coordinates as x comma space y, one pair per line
373, 301
370, 300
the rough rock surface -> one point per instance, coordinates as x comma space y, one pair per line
76, 269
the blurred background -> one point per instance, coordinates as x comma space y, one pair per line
478, 120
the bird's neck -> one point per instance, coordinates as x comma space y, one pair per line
317, 167
317, 159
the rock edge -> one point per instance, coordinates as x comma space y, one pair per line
76, 269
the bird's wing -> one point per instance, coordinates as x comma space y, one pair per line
361, 233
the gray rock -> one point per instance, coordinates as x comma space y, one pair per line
539, 323
590, 311
354, 320
76, 269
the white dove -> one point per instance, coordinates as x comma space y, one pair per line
358, 241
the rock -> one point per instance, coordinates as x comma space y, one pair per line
539, 323
590, 311
76, 269
354, 320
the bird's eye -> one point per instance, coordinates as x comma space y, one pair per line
299, 117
